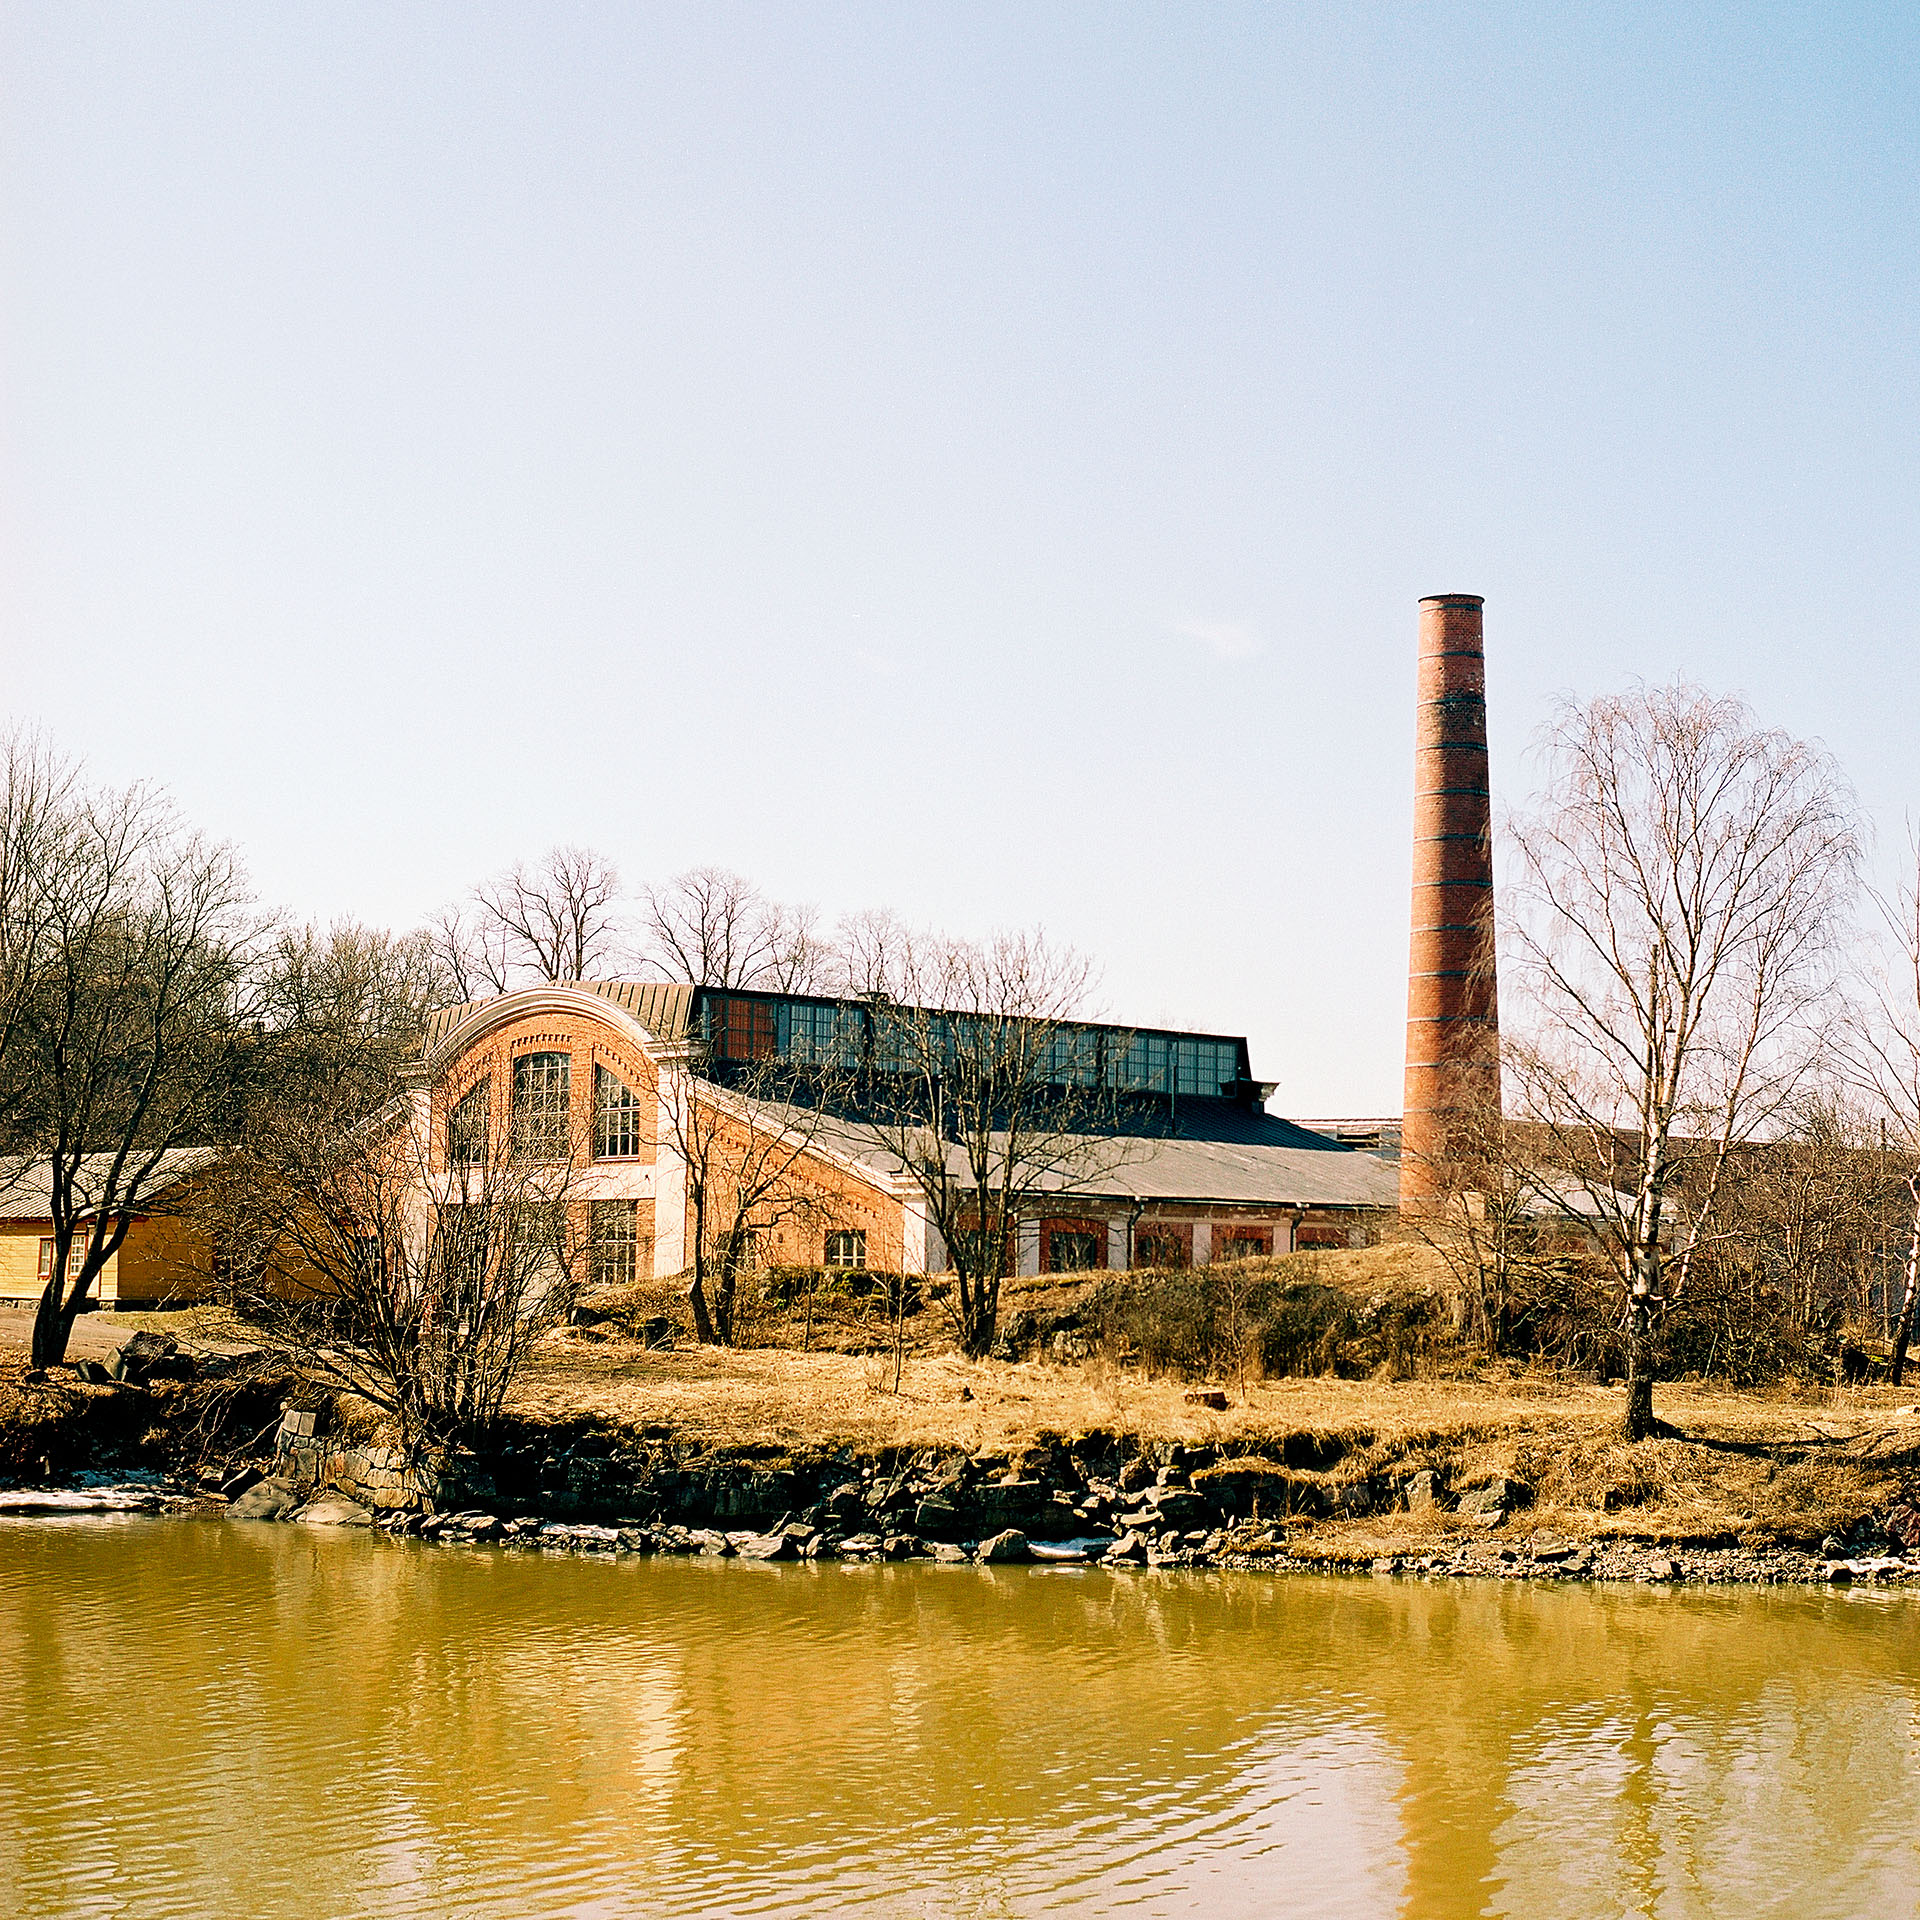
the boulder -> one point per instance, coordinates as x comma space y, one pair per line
334, 1510
937, 1518
1135, 1475
1005, 1549
1423, 1491
769, 1546
1499, 1495
93, 1373
142, 1356
269, 1500
1177, 1508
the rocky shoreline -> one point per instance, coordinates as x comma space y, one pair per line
1100, 1501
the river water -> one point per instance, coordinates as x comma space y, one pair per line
210, 1720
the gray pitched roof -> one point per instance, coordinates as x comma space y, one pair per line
26, 1186
1252, 1172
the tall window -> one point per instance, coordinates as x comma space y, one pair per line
847, 1248
616, 1117
614, 1227
540, 1084
467, 1129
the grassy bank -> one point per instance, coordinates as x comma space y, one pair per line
1344, 1459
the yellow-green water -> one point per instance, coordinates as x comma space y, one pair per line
217, 1720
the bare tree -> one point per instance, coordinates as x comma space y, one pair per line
713, 928
867, 954
554, 920
129, 1019
1884, 1053
993, 1099
39, 816
407, 1259
1678, 884
743, 1131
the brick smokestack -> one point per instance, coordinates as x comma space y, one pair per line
1453, 1021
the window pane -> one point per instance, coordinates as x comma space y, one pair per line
467, 1128
847, 1248
540, 1096
615, 1229
616, 1109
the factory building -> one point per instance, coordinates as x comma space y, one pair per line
1194, 1170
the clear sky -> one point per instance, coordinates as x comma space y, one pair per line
975, 459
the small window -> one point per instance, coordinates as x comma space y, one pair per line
540, 1096
1159, 1247
615, 1229
616, 1117
1242, 1246
847, 1248
1073, 1247
467, 1129
76, 1257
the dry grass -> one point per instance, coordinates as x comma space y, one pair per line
1736, 1467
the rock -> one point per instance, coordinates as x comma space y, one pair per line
1661, 1568
334, 1510
948, 1552
1839, 1574
710, 1542
899, 1546
1209, 1397
1135, 1476
937, 1518
1498, 1495
1833, 1548
93, 1373
143, 1355
270, 1500
1005, 1549
1175, 1507
241, 1482
1423, 1491
1385, 1565
769, 1546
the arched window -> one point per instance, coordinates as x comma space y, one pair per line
540, 1091
616, 1117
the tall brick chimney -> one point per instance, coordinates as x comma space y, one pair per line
1453, 1020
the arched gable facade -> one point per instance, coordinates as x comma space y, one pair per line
517, 1057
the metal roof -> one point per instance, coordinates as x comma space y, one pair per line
1254, 1171
663, 1007
26, 1186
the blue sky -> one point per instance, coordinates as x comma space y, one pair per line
980, 460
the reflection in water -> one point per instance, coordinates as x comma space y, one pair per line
212, 1720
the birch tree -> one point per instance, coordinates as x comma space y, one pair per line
1677, 885
1884, 1052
